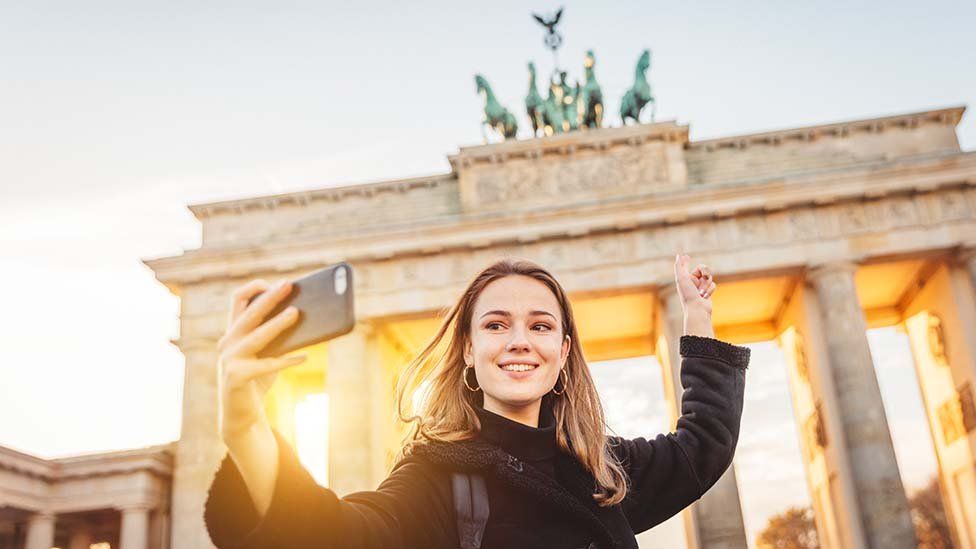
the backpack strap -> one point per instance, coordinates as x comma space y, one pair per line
471, 507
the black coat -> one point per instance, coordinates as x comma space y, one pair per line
530, 507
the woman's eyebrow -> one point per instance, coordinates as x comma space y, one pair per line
508, 314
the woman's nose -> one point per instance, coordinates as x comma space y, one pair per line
518, 341
517, 346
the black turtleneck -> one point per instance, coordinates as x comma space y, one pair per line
535, 446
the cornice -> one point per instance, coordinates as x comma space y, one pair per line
25, 464
818, 271
303, 198
947, 116
569, 143
869, 181
155, 459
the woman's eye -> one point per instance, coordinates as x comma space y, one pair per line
491, 326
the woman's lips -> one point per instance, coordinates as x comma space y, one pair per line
516, 374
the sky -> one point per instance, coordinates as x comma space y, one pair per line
114, 116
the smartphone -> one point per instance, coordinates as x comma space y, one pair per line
325, 310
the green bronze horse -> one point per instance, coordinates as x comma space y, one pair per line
496, 116
590, 97
553, 114
570, 108
534, 103
639, 94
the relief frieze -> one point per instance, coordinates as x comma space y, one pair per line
853, 218
952, 206
802, 224
957, 414
566, 253
900, 212
522, 182
815, 433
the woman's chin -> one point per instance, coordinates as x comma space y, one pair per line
518, 398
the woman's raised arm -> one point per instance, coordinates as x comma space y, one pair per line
263, 497
671, 471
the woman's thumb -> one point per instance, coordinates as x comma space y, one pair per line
682, 277
681, 266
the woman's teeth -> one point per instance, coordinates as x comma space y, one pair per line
518, 367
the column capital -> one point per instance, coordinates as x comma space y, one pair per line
40, 516
195, 343
364, 327
40, 530
817, 271
140, 507
668, 296
134, 531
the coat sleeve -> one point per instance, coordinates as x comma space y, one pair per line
412, 508
671, 471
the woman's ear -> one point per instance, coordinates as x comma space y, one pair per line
564, 352
468, 355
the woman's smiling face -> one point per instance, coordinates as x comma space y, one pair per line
516, 343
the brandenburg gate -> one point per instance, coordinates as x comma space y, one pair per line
818, 234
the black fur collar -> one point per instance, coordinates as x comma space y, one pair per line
574, 496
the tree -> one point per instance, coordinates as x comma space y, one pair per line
928, 515
791, 529
795, 527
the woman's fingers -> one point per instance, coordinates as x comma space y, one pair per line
255, 313
697, 283
243, 370
252, 343
241, 296
702, 275
707, 293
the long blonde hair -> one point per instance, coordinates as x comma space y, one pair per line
447, 413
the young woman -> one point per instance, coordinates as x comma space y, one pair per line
510, 400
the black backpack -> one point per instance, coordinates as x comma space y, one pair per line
471, 507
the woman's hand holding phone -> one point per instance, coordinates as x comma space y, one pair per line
243, 378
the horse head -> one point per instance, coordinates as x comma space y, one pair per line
482, 84
645, 60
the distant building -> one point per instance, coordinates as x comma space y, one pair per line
78, 502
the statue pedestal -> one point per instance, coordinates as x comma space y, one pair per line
579, 166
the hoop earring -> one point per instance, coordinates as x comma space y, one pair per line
464, 376
565, 382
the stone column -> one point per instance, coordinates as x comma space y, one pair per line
159, 529
818, 422
715, 521
81, 539
134, 533
940, 320
882, 505
199, 449
40, 531
347, 382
